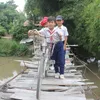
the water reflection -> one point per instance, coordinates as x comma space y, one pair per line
6, 79
8, 67
93, 78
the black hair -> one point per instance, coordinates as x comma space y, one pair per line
51, 18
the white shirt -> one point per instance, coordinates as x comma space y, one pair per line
64, 31
56, 34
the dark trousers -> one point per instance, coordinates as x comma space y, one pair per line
59, 57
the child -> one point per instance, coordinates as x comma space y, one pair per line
60, 21
47, 31
58, 53
44, 22
63, 29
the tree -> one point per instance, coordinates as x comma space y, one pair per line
82, 18
8, 14
32, 10
2, 31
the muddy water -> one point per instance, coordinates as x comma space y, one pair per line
9, 67
94, 79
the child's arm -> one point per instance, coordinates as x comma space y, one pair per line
66, 38
65, 42
60, 35
36, 32
33, 32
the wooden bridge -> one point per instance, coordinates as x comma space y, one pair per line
23, 86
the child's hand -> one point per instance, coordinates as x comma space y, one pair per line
65, 47
30, 32
60, 36
35, 32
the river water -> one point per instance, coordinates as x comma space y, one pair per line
93, 78
9, 67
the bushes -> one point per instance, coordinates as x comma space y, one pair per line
2, 31
12, 48
90, 21
18, 32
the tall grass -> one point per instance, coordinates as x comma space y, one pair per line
12, 48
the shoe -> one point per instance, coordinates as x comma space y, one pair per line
52, 67
57, 75
62, 76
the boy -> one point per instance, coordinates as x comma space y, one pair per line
59, 22
58, 52
63, 29
44, 22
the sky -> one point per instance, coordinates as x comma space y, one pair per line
20, 4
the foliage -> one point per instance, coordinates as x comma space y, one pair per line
91, 18
2, 31
19, 32
9, 14
32, 10
82, 18
12, 48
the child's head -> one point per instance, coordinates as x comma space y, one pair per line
51, 22
59, 20
44, 22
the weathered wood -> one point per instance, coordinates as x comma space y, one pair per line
5, 96
48, 96
64, 82
24, 87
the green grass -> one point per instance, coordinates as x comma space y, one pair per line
12, 48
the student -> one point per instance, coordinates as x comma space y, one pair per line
63, 29
44, 22
51, 30
59, 22
58, 53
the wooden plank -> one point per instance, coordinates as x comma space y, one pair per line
64, 88
5, 96
61, 96
64, 82
48, 96
22, 95
70, 88
66, 75
15, 90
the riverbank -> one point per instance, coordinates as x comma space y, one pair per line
7, 36
12, 48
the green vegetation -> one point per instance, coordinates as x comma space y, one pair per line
12, 48
8, 14
82, 18
11, 22
2, 31
91, 20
